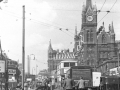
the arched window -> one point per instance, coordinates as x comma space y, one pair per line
91, 36
103, 38
87, 36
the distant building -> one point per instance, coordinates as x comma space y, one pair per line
63, 67
55, 57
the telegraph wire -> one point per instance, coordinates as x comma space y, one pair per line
53, 22
109, 11
11, 14
67, 9
36, 21
103, 17
101, 7
46, 24
65, 32
66, 29
113, 5
58, 25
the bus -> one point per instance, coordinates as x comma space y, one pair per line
63, 67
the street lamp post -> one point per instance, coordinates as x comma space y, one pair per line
33, 70
36, 68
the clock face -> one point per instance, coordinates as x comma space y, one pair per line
89, 18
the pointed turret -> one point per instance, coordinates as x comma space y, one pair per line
75, 30
95, 7
103, 27
112, 29
50, 49
83, 7
112, 33
109, 28
88, 4
1, 50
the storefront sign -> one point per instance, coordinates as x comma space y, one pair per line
11, 71
2, 66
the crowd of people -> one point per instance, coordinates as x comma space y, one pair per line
66, 84
37, 85
69, 84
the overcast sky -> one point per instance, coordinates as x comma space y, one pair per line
43, 20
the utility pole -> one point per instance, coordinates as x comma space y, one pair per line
23, 48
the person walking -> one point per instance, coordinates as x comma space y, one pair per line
62, 83
81, 84
69, 83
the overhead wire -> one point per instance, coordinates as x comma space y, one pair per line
36, 21
107, 12
11, 13
66, 10
113, 5
66, 29
60, 28
101, 7
46, 24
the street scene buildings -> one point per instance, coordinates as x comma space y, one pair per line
94, 58
94, 47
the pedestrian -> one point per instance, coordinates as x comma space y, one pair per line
81, 84
69, 83
62, 83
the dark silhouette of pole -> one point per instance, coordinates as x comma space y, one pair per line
23, 48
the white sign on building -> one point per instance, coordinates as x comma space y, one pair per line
2, 66
114, 71
96, 78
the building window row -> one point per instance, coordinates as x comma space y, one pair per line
90, 36
104, 55
69, 64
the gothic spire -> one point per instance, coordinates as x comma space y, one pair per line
109, 28
50, 46
76, 30
1, 50
83, 7
112, 29
88, 3
103, 27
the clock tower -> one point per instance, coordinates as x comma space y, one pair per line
89, 14
89, 27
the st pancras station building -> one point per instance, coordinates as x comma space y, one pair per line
93, 46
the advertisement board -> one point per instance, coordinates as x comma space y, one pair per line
2, 66
85, 73
96, 78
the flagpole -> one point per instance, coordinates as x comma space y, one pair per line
23, 49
